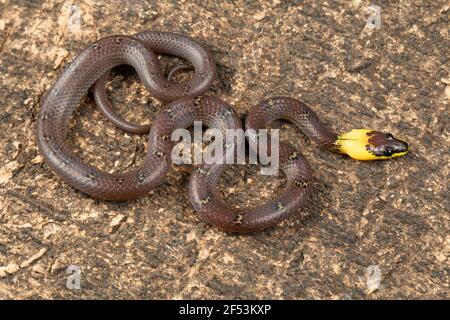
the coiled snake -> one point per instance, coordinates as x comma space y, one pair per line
186, 106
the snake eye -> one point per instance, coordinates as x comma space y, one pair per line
389, 136
388, 153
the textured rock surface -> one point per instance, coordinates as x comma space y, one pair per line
394, 215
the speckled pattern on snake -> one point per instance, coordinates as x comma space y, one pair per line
185, 105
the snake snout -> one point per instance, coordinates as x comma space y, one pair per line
399, 146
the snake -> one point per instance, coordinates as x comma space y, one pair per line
185, 104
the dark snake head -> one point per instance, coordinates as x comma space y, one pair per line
385, 145
363, 144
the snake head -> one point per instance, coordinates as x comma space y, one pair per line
363, 144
